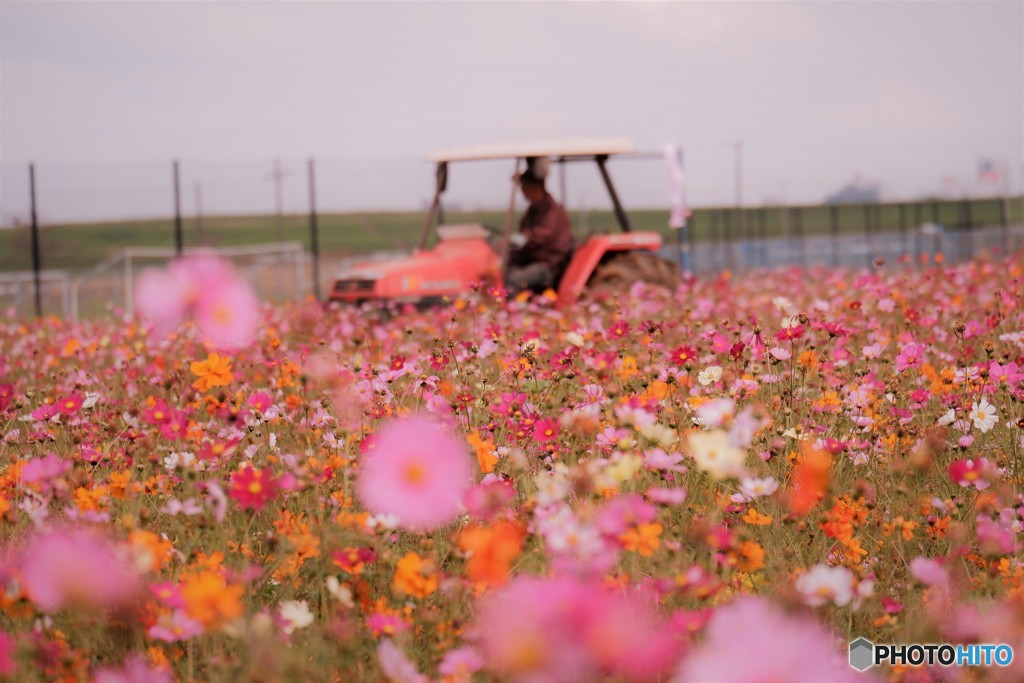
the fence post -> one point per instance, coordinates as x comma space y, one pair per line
1004, 222
129, 302
798, 228
833, 219
965, 219
869, 256
178, 240
36, 258
314, 241
762, 227
903, 231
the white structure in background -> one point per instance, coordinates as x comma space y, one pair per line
276, 271
17, 290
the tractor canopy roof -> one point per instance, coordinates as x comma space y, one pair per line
558, 150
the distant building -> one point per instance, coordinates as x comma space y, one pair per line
857, 192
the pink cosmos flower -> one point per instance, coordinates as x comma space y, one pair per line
160, 297
555, 630
47, 468
397, 667
622, 512
489, 499
415, 471
7, 648
667, 496
228, 314
70, 404
178, 626
76, 566
135, 670
460, 664
6, 396
751, 639
226, 310
910, 356
928, 571
977, 472
382, 623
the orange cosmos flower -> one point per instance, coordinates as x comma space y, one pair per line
809, 482
215, 371
415, 576
211, 600
492, 550
643, 538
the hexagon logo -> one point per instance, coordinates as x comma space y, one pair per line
862, 654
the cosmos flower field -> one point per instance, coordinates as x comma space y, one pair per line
725, 483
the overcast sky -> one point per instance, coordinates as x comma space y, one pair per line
102, 95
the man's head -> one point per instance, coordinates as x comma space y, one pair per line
532, 185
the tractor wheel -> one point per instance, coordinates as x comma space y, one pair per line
618, 274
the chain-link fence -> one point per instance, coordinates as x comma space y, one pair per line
97, 221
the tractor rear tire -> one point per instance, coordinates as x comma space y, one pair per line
618, 274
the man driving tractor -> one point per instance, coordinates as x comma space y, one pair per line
544, 244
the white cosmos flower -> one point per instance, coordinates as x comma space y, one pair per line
709, 375
713, 454
295, 614
983, 415
752, 488
823, 584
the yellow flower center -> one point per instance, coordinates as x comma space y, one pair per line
415, 473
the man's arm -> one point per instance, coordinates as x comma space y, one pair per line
547, 230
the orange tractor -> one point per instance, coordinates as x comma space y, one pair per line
473, 253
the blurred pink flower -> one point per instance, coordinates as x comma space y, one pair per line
160, 297
489, 498
555, 630
382, 623
46, 468
460, 664
228, 314
751, 639
7, 648
622, 512
415, 471
978, 472
134, 670
206, 286
397, 667
928, 571
76, 566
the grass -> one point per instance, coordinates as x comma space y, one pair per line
80, 246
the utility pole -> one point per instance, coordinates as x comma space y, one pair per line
179, 241
277, 175
739, 172
36, 258
738, 211
199, 213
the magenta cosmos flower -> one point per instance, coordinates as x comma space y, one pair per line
750, 639
415, 471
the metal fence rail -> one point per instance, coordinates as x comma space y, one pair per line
264, 265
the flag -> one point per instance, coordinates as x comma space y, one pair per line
989, 172
676, 186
